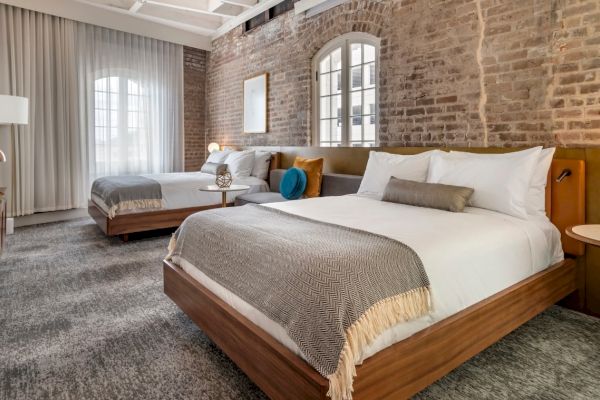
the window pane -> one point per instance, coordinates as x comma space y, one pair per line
114, 119
325, 130
356, 128
336, 59
356, 103
370, 128
133, 88
336, 130
369, 53
114, 101
100, 84
336, 82
325, 84
114, 84
336, 106
369, 75
100, 118
325, 65
356, 54
325, 111
356, 78
369, 106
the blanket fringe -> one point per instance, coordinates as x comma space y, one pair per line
171, 246
134, 204
362, 333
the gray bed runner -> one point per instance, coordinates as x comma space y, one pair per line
127, 193
333, 289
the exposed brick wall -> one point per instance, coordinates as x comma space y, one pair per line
194, 81
455, 72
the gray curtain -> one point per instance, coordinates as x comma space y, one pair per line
59, 65
47, 156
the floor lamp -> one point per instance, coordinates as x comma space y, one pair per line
13, 110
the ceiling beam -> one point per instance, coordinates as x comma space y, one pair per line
121, 20
136, 6
186, 8
241, 3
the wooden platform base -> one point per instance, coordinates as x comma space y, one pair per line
397, 372
141, 222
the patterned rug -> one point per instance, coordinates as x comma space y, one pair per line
84, 317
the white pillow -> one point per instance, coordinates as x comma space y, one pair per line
218, 156
536, 197
382, 166
262, 160
240, 163
500, 183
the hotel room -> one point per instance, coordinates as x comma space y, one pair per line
300, 199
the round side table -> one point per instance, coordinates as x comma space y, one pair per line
589, 233
223, 191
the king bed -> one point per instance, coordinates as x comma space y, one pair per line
477, 275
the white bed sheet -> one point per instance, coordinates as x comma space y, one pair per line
180, 190
468, 256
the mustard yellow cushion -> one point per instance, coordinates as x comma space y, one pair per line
314, 174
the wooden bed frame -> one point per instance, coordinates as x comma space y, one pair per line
124, 224
410, 365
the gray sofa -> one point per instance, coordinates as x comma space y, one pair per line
332, 185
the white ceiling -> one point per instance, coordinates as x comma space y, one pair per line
190, 22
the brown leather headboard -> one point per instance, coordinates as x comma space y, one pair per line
565, 200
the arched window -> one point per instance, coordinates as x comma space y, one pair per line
122, 142
346, 92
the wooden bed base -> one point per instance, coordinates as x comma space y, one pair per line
139, 222
408, 366
397, 372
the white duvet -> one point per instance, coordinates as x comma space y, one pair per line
468, 256
180, 190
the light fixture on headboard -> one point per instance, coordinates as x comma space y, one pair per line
213, 147
13, 110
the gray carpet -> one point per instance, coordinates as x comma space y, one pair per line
84, 317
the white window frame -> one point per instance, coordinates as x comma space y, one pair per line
343, 41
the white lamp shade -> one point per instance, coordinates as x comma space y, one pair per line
213, 147
14, 110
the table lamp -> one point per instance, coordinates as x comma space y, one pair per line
213, 147
13, 110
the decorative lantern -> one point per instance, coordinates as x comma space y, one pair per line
223, 180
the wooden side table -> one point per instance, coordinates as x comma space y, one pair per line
588, 233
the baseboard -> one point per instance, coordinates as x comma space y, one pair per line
53, 216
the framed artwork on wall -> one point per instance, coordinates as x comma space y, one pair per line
255, 104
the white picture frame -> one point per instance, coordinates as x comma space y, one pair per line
255, 104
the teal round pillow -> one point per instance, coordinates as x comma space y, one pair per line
293, 184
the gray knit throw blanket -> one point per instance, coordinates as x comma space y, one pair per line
333, 289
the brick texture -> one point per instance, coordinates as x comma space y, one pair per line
452, 72
194, 81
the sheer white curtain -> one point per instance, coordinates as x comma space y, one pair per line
102, 102
132, 91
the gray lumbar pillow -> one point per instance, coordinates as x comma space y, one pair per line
214, 168
431, 195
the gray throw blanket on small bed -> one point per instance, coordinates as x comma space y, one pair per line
127, 193
333, 289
